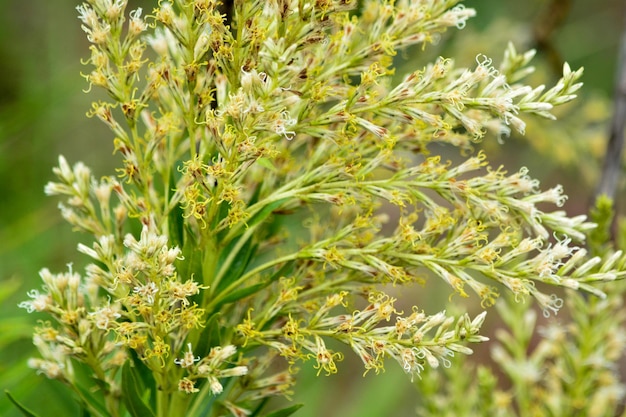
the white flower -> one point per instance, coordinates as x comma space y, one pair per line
137, 24
147, 291
104, 316
188, 359
216, 387
39, 302
281, 124
87, 15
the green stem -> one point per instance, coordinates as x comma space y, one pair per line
111, 403
239, 282
291, 189
163, 403
199, 401
209, 263
179, 404
231, 257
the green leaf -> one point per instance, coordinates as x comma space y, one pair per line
285, 412
255, 196
192, 256
286, 269
84, 412
176, 224
246, 291
8, 288
266, 163
210, 335
13, 329
239, 263
84, 382
133, 390
221, 213
23, 409
265, 212
243, 292
91, 402
147, 377
257, 411
201, 406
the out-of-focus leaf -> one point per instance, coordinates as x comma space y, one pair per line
176, 224
84, 382
285, 412
266, 163
8, 288
14, 329
147, 378
192, 256
246, 291
91, 402
265, 212
210, 336
238, 264
133, 390
23, 409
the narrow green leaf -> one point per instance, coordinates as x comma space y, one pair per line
84, 412
23, 409
147, 378
265, 212
133, 389
284, 270
84, 383
13, 329
239, 264
243, 292
255, 196
285, 412
176, 224
257, 411
91, 401
202, 406
8, 288
246, 291
266, 163
210, 335
221, 213
192, 256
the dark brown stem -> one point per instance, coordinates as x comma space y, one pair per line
226, 8
612, 161
552, 18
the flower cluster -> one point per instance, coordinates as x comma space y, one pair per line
273, 176
541, 367
554, 367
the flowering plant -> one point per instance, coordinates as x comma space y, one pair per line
275, 175
556, 367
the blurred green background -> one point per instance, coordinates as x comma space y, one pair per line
42, 115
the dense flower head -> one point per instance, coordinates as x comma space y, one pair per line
274, 179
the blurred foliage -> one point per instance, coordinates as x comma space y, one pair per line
564, 367
42, 112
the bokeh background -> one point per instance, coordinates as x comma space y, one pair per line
42, 115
